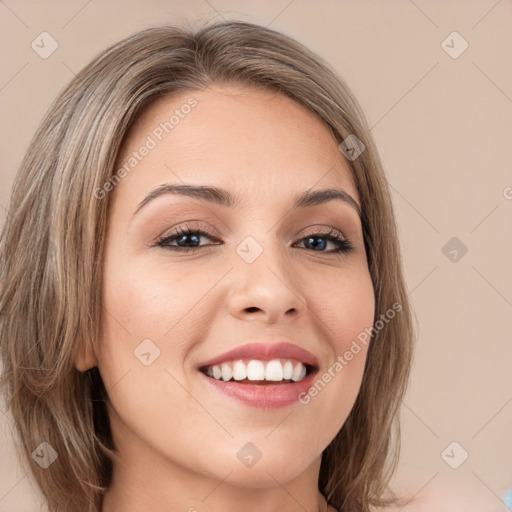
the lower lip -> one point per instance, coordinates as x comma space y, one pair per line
271, 396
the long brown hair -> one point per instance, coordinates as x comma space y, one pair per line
51, 255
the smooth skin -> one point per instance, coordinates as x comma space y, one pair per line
178, 439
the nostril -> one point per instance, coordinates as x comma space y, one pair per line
252, 309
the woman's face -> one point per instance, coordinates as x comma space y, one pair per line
264, 272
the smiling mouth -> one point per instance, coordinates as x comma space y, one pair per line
259, 372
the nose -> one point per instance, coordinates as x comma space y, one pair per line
265, 290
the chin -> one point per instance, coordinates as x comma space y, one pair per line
252, 468
264, 475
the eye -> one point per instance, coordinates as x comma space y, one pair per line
317, 242
188, 238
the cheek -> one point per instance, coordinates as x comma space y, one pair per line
343, 303
152, 314
345, 313
153, 300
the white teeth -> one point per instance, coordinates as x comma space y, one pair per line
298, 372
227, 372
287, 370
255, 370
275, 370
217, 372
239, 370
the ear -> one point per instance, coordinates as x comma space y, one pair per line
85, 357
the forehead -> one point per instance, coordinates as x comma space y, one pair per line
250, 139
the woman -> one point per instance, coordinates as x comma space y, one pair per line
202, 299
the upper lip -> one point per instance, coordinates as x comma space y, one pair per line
265, 352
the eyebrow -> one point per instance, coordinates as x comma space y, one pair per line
223, 197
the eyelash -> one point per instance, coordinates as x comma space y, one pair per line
344, 244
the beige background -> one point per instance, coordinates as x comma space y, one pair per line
444, 128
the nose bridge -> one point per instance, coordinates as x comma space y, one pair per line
263, 279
